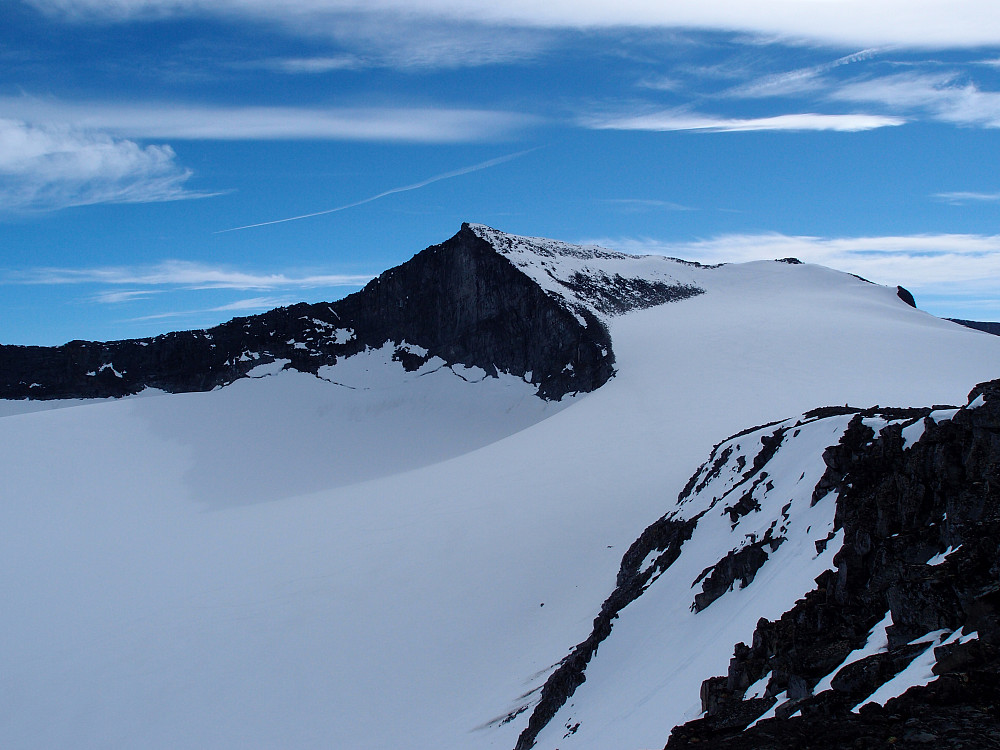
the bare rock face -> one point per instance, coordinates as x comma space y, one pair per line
466, 303
922, 543
461, 301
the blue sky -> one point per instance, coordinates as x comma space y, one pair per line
141, 139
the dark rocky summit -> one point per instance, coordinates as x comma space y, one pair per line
900, 509
461, 301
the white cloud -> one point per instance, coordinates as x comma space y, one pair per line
663, 83
183, 275
686, 120
252, 304
56, 166
307, 65
381, 41
177, 121
960, 198
118, 297
952, 275
926, 23
57, 154
410, 40
797, 81
959, 263
635, 205
943, 96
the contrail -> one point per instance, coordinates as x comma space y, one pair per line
415, 186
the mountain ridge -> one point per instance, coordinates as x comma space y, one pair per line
528, 306
373, 556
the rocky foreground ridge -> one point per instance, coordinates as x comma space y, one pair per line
471, 300
921, 525
898, 643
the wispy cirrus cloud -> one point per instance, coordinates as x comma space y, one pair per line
49, 167
179, 275
119, 297
682, 119
306, 65
195, 293
398, 43
960, 198
156, 120
946, 97
797, 81
57, 154
928, 90
252, 304
959, 270
365, 35
636, 205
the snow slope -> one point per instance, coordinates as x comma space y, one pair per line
761, 532
290, 563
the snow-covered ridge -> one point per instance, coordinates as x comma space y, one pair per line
483, 298
755, 545
604, 281
514, 245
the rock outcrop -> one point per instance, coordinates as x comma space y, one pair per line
917, 581
979, 325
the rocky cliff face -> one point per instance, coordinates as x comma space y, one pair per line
914, 599
462, 301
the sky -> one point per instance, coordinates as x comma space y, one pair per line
171, 164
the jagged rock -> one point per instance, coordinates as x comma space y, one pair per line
741, 565
898, 507
860, 679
